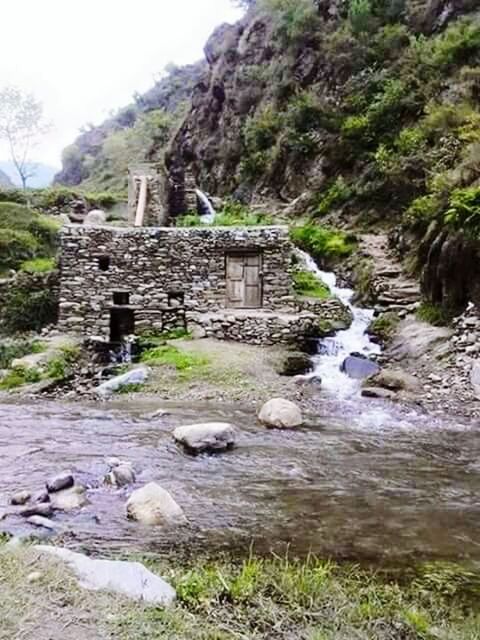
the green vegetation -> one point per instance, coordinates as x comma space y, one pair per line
433, 314
24, 234
12, 349
324, 244
306, 284
18, 377
337, 194
233, 214
62, 365
27, 309
186, 364
38, 265
384, 326
313, 599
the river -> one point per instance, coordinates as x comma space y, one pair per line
356, 483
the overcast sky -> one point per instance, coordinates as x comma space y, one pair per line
83, 59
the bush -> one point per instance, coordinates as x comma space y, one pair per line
296, 20
61, 366
464, 210
360, 14
12, 350
324, 244
336, 194
27, 310
433, 314
15, 248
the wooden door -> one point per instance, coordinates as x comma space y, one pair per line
244, 280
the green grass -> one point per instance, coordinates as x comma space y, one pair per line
306, 284
326, 245
61, 366
18, 377
433, 314
233, 214
38, 265
384, 326
311, 599
186, 364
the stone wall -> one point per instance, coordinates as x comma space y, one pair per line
166, 273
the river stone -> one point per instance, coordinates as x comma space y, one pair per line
135, 376
130, 579
45, 523
209, 437
294, 364
20, 498
153, 505
42, 509
280, 413
60, 482
359, 368
378, 392
69, 499
395, 380
121, 475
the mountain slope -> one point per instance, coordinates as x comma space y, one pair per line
99, 157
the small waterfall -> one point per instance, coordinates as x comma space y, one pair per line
208, 212
123, 355
333, 351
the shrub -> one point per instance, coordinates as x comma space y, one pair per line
15, 248
324, 244
61, 366
27, 310
306, 284
464, 210
360, 14
385, 326
12, 350
422, 211
295, 20
336, 194
433, 314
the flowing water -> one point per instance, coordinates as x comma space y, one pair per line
334, 350
377, 486
206, 207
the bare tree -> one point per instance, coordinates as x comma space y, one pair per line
21, 126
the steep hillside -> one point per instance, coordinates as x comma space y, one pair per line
99, 157
5, 182
359, 113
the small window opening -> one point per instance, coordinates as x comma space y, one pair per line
176, 298
104, 263
121, 298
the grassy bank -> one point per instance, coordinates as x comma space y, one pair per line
255, 599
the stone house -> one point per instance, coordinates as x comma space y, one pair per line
226, 282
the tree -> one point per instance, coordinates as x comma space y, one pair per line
21, 125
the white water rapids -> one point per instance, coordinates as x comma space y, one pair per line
208, 217
334, 350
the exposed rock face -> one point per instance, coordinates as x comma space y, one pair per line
130, 579
451, 275
153, 505
281, 414
210, 437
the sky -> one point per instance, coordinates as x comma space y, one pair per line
85, 59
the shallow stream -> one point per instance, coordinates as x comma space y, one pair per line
357, 482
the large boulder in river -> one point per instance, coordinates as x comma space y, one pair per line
294, 363
359, 368
153, 505
280, 413
210, 437
69, 499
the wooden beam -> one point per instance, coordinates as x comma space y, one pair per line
142, 202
